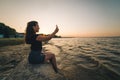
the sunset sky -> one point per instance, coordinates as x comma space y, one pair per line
78, 18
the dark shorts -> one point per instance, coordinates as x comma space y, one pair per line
36, 57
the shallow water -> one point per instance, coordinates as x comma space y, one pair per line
100, 54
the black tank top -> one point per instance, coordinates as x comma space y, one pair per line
35, 45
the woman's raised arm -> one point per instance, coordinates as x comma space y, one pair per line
46, 38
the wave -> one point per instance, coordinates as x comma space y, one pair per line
96, 54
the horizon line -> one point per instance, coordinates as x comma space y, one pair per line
91, 37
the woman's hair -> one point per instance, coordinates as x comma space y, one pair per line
30, 31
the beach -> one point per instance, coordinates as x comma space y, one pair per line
77, 59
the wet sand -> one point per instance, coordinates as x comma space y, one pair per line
10, 57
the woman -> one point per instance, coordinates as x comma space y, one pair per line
36, 56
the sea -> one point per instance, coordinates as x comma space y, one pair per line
100, 54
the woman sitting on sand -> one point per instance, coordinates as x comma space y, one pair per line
36, 56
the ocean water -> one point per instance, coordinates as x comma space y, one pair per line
100, 54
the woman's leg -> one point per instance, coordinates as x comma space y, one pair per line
52, 59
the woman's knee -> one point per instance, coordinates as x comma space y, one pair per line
47, 57
50, 55
53, 55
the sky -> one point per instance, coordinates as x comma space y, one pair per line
75, 18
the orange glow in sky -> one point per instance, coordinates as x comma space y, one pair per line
78, 18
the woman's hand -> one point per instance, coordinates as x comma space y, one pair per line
57, 29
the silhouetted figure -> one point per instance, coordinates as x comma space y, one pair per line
36, 56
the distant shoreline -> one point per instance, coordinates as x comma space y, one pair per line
95, 37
